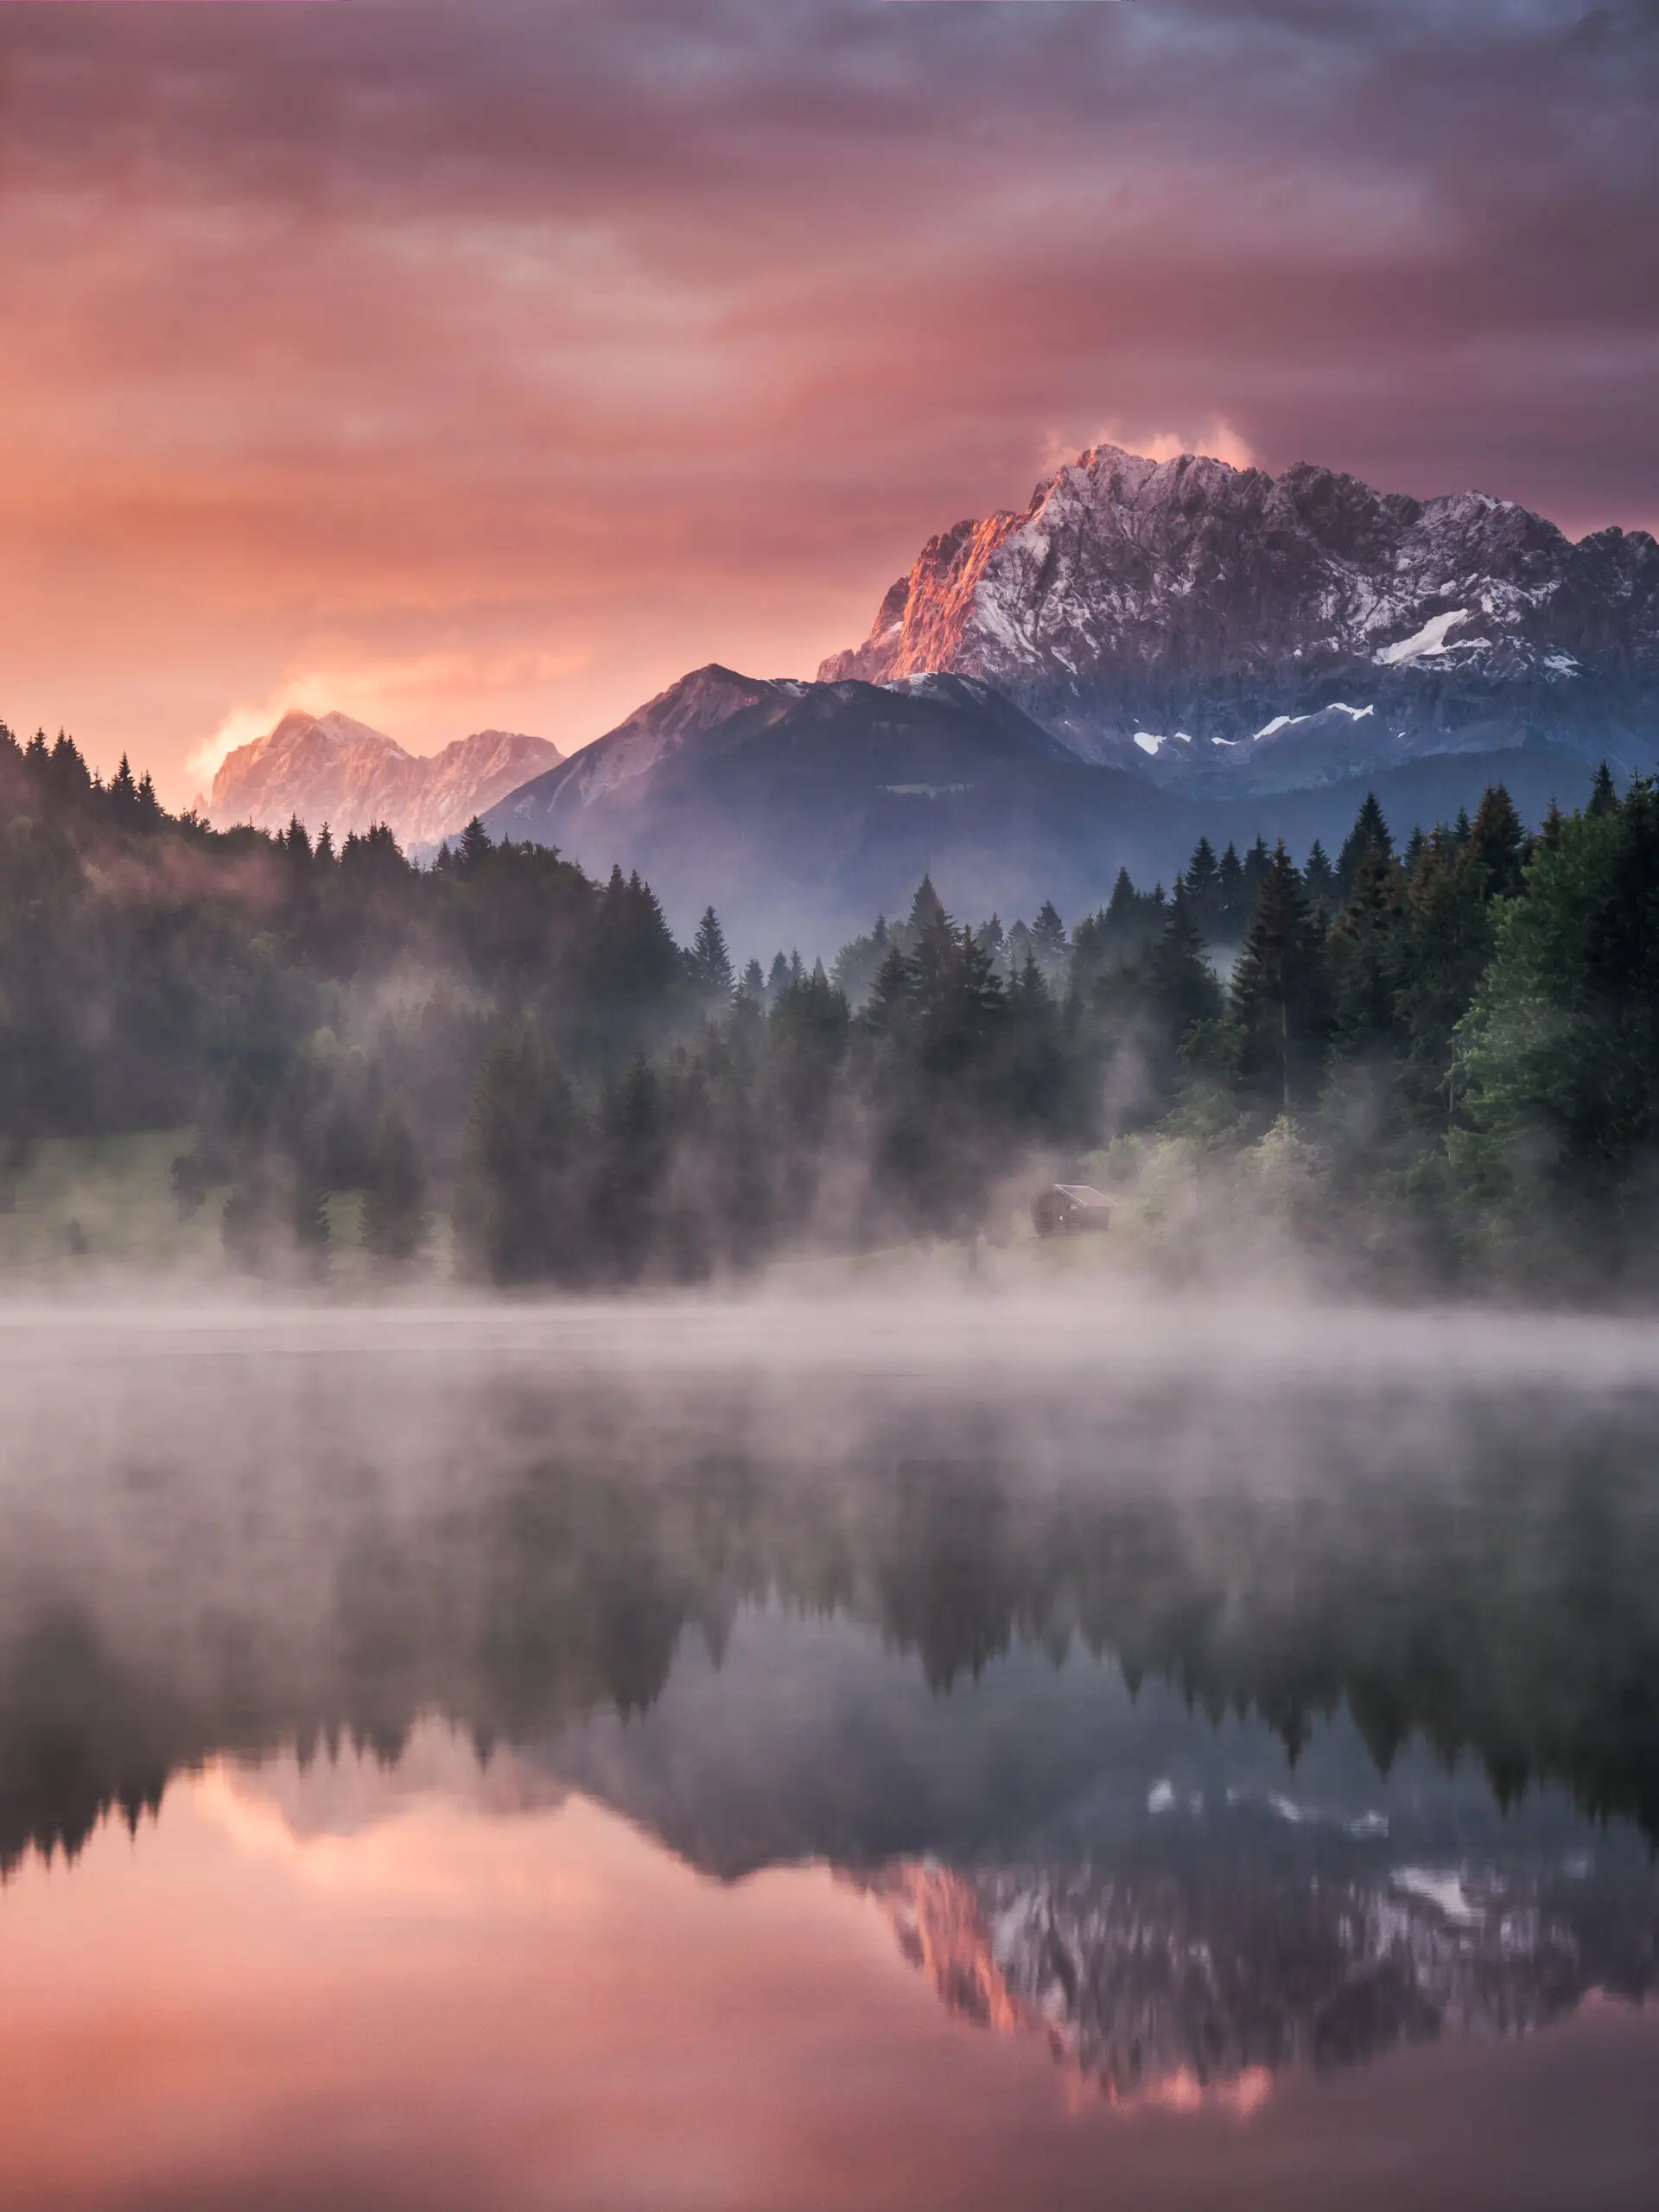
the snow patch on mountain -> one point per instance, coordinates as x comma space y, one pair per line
1423, 643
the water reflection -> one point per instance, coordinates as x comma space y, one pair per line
1200, 1724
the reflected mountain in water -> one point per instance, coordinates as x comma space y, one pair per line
1208, 1700
1172, 1983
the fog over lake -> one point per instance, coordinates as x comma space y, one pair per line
594, 1754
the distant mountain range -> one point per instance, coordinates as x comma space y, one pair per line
803, 809
1149, 651
329, 768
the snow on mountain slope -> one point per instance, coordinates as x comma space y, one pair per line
329, 768
1132, 595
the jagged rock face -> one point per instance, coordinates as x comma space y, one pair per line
1174, 611
329, 768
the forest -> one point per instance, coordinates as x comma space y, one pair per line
1436, 1057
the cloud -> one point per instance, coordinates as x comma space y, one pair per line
1220, 441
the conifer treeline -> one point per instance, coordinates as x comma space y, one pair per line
1463, 1033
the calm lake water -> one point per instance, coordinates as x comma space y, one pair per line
807, 1756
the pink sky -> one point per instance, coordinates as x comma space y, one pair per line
477, 365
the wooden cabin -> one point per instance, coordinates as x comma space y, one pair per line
1070, 1209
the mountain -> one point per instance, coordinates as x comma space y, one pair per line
800, 810
1212, 628
329, 768
803, 810
1175, 1980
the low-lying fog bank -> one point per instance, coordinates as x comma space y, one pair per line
226, 1530
804, 1319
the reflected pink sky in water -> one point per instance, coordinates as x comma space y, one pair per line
434, 1987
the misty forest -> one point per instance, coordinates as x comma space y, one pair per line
1430, 1059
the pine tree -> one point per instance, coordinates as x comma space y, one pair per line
1370, 834
1319, 879
1280, 992
633, 1155
1365, 955
519, 1212
1204, 888
124, 794
1604, 798
475, 848
1184, 985
926, 909
1232, 903
395, 1226
1258, 863
1446, 945
891, 993
1034, 1081
1048, 934
710, 965
755, 982
1498, 845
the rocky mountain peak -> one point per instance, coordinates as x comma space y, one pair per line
330, 768
1134, 597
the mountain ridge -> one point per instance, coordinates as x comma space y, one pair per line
330, 768
800, 811
1186, 619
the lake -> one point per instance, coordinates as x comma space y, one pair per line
812, 1753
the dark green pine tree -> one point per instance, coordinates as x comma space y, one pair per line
1258, 862
633, 1142
395, 1223
1280, 993
709, 963
1035, 1072
1048, 935
926, 910
124, 795
1447, 943
475, 848
1604, 798
1183, 985
1549, 837
892, 994
1319, 879
519, 1212
1366, 950
1498, 845
1370, 834
1204, 888
1232, 902
755, 982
